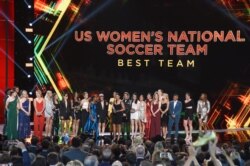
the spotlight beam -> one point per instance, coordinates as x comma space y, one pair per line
11, 22
86, 19
26, 3
13, 61
41, 16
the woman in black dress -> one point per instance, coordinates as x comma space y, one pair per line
188, 118
118, 108
76, 114
65, 112
164, 114
56, 110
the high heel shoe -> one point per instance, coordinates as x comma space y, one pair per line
209, 136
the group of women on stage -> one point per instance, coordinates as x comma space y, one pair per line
74, 114
17, 114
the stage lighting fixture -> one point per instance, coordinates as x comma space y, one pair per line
28, 75
29, 41
30, 93
30, 24
31, 58
28, 64
29, 6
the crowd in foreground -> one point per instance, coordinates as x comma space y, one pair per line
83, 151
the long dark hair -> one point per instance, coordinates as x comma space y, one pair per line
54, 100
136, 98
205, 99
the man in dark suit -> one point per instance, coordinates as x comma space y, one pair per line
175, 108
75, 153
126, 115
102, 114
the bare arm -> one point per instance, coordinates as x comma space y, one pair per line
81, 103
34, 104
212, 149
29, 106
21, 107
18, 106
123, 107
229, 160
44, 106
159, 108
151, 109
198, 107
7, 104
167, 106
192, 156
208, 106
72, 104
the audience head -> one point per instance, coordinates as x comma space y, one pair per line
146, 163
106, 154
40, 161
131, 158
91, 161
156, 158
45, 144
75, 163
158, 146
52, 158
56, 139
117, 163
5, 158
76, 142
140, 152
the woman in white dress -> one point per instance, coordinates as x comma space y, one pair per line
142, 115
48, 113
84, 109
134, 115
203, 108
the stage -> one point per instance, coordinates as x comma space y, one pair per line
224, 135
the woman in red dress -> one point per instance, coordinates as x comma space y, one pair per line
148, 115
39, 105
155, 128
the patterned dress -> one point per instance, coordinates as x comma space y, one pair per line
91, 126
24, 121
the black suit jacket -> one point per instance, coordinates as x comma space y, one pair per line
102, 112
65, 111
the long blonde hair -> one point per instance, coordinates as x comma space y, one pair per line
154, 96
165, 95
47, 95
